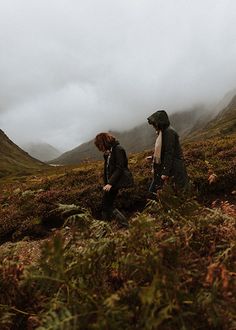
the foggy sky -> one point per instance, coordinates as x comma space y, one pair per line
71, 68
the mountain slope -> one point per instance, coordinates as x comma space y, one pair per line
14, 160
223, 124
197, 123
137, 139
174, 268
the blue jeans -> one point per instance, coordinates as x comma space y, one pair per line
157, 182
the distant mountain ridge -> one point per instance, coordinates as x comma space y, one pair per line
195, 123
137, 139
14, 160
42, 151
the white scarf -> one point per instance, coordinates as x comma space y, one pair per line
157, 149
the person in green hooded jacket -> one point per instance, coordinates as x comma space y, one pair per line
167, 158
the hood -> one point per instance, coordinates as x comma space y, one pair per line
159, 119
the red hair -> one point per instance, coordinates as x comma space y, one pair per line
104, 141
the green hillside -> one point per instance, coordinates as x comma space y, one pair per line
223, 124
14, 160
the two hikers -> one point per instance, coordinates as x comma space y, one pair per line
167, 162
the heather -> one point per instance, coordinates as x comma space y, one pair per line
174, 268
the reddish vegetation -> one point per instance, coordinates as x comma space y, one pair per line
175, 267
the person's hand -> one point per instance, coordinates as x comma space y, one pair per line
165, 178
149, 158
107, 187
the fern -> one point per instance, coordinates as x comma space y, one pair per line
61, 319
173, 269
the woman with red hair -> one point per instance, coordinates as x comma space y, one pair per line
116, 175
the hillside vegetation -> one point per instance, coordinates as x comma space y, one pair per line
174, 268
223, 124
14, 160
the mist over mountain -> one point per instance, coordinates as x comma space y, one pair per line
197, 122
42, 151
224, 123
70, 70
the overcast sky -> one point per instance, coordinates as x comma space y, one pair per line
71, 68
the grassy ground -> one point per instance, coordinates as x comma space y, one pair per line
174, 268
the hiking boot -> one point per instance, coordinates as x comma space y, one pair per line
106, 216
120, 218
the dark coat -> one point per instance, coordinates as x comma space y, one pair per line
172, 161
116, 166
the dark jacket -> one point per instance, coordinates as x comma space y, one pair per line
115, 166
172, 162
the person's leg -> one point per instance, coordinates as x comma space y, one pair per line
156, 184
107, 204
108, 211
181, 179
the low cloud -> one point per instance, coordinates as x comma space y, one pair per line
71, 69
